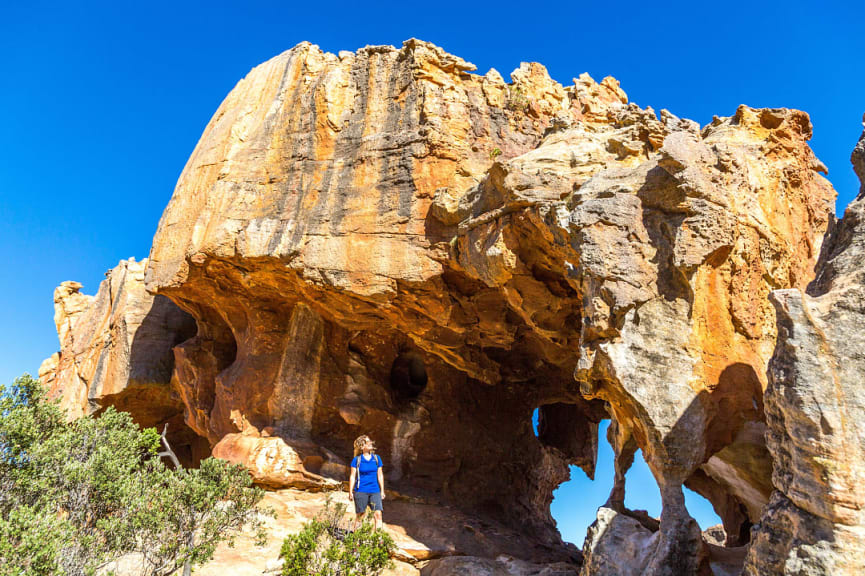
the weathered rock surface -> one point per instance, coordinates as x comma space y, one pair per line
381, 242
319, 173
815, 408
116, 350
622, 542
275, 464
617, 545
501, 566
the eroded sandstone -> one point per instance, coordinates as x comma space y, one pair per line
116, 350
815, 520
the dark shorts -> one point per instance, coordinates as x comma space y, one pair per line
362, 500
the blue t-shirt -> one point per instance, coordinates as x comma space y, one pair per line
367, 473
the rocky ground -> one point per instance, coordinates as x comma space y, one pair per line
431, 540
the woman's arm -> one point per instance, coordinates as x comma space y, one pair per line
351, 483
381, 481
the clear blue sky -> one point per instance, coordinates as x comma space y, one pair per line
576, 501
102, 103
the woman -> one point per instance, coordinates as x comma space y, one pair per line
366, 484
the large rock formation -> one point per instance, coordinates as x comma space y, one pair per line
815, 407
116, 350
381, 242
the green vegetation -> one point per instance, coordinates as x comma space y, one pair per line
322, 548
495, 153
517, 100
76, 496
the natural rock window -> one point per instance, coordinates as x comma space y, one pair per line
576, 500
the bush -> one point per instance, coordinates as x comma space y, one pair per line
517, 100
322, 548
75, 496
31, 542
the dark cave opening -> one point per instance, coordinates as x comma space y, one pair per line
408, 376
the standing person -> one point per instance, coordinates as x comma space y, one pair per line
366, 484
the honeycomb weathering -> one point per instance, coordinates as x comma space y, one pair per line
382, 242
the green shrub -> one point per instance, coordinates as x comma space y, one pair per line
517, 100
75, 496
31, 542
322, 548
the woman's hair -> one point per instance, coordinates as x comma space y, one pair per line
361, 440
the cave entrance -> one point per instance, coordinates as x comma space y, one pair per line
576, 501
408, 375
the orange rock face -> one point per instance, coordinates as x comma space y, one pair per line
116, 350
383, 242
275, 464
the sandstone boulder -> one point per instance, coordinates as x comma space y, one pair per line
617, 545
275, 464
384, 242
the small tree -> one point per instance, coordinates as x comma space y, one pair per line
75, 496
322, 548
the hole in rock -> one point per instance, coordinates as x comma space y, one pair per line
576, 501
700, 509
408, 375
557, 427
189, 447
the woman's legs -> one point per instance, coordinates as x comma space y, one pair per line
358, 520
362, 501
